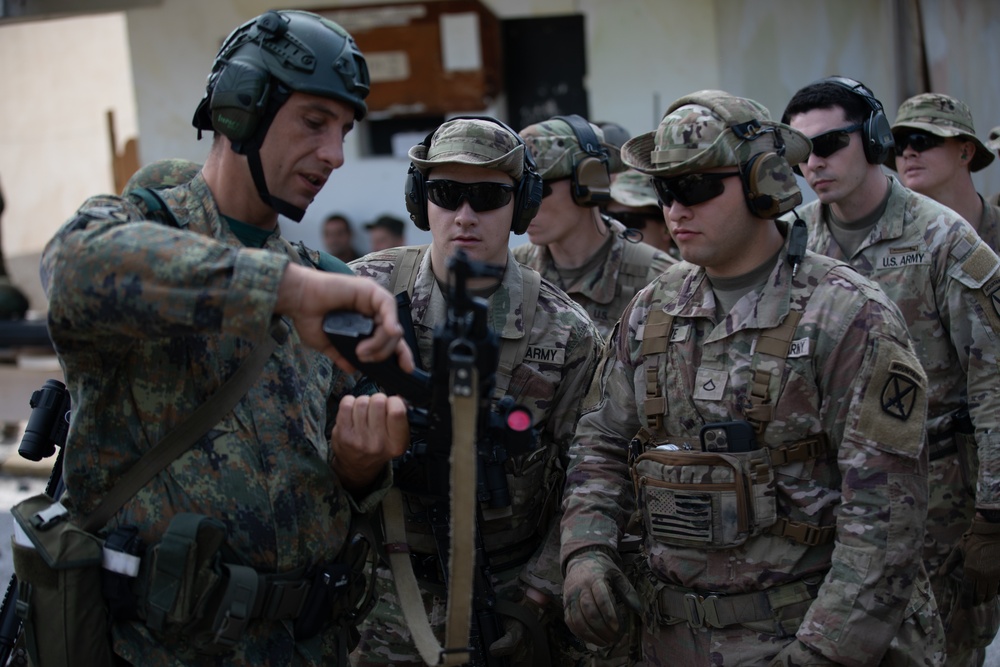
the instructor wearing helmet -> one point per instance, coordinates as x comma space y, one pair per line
157, 298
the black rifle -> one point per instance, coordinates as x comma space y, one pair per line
424, 470
47, 427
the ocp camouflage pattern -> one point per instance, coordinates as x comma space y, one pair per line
550, 382
851, 374
604, 293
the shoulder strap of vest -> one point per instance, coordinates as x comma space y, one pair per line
774, 342
150, 201
511, 351
404, 273
655, 338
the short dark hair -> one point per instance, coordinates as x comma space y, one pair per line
337, 216
826, 95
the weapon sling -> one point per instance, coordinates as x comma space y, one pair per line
461, 561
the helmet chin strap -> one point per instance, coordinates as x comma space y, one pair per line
280, 205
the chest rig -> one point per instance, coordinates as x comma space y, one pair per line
718, 499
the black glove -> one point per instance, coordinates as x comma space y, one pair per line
981, 547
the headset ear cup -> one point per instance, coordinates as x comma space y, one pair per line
591, 182
765, 179
238, 99
878, 139
415, 194
528, 200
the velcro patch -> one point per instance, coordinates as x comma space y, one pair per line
710, 385
894, 258
900, 391
548, 355
680, 333
799, 348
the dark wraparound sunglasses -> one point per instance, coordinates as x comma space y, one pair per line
636, 219
828, 143
481, 196
547, 186
918, 141
690, 189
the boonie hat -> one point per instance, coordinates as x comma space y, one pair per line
473, 141
557, 149
943, 116
632, 188
697, 134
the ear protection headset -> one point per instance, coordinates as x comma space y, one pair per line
527, 193
763, 200
591, 175
876, 131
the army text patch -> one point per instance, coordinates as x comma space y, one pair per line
895, 258
548, 355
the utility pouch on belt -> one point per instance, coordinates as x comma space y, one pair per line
59, 598
965, 443
713, 500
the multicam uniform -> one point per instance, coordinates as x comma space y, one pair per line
604, 293
550, 381
149, 320
989, 225
931, 263
846, 577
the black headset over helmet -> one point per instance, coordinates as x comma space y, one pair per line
261, 64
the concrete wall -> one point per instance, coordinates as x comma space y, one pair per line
61, 76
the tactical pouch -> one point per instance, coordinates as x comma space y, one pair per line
713, 500
59, 601
181, 574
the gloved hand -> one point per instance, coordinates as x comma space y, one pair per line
981, 546
798, 654
594, 591
516, 641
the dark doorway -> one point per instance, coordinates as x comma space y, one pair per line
545, 65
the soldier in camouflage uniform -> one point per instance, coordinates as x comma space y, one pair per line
634, 204
587, 254
789, 533
549, 377
152, 309
935, 154
945, 280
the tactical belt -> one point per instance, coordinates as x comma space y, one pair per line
718, 610
250, 595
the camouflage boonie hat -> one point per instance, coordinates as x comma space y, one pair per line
474, 141
943, 116
557, 150
993, 140
632, 188
163, 174
694, 137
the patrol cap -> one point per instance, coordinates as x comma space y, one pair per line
993, 140
557, 149
709, 129
473, 141
632, 188
163, 174
943, 116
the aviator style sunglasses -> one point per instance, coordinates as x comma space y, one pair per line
828, 143
918, 141
481, 196
690, 189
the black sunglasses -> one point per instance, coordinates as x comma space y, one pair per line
918, 141
636, 219
690, 189
547, 186
828, 143
481, 196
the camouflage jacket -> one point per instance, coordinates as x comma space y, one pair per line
604, 294
148, 321
946, 283
550, 382
851, 357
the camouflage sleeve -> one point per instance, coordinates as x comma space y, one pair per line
542, 571
109, 275
970, 311
875, 391
598, 488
